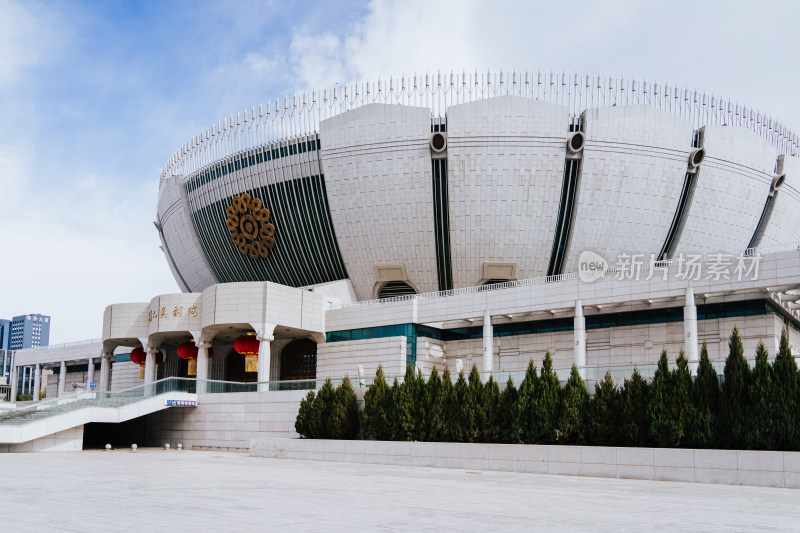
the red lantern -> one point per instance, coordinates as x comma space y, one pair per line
248, 346
188, 350
139, 357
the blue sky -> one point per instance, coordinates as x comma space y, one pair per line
95, 96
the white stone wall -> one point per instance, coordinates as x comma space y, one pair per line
377, 166
505, 174
69, 440
633, 170
124, 375
730, 467
337, 359
732, 188
180, 237
784, 223
227, 421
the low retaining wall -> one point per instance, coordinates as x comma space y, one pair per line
769, 469
226, 421
69, 440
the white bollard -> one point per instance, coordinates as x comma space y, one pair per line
108, 447
133, 447
180, 446
166, 446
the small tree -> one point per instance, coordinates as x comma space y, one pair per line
635, 418
604, 418
508, 398
418, 390
682, 405
490, 409
522, 418
761, 425
343, 421
786, 397
735, 396
705, 393
376, 417
472, 413
451, 427
321, 411
572, 412
436, 401
302, 424
546, 401
462, 421
664, 428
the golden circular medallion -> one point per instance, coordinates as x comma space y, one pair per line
248, 222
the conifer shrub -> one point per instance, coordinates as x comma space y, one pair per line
760, 423
331, 413
435, 407
522, 417
376, 417
735, 396
508, 398
464, 416
302, 424
472, 413
785, 397
490, 412
705, 395
546, 403
572, 410
343, 422
603, 416
634, 415
451, 429
682, 404
664, 428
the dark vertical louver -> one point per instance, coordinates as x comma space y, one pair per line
679, 219
441, 215
566, 212
306, 251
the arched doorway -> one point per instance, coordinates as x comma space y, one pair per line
299, 360
234, 369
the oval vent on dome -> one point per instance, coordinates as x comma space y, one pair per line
392, 289
438, 142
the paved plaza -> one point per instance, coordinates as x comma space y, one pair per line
156, 490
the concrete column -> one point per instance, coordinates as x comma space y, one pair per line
150, 365
264, 352
580, 339
105, 371
202, 365
488, 342
90, 374
24, 381
690, 330
14, 385
37, 382
62, 378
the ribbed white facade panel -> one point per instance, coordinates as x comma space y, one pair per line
784, 223
506, 170
634, 166
185, 253
732, 188
377, 167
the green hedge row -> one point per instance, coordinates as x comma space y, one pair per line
753, 409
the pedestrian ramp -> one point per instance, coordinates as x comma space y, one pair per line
55, 416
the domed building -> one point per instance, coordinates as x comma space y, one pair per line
448, 221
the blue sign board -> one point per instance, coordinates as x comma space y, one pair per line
92, 385
180, 403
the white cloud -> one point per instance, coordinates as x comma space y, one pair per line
260, 63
